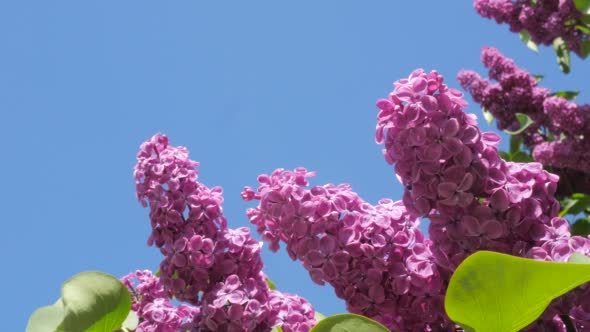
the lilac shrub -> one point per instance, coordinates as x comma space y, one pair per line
556, 137
376, 258
544, 20
215, 269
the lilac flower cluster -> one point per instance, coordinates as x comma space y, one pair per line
375, 257
207, 264
556, 137
453, 175
155, 311
544, 20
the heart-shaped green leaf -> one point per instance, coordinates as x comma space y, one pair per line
91, 301
348, 323
490, 291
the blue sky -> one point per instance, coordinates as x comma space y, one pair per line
247, 86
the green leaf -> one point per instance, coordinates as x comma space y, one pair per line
575, 204
538, 77
520, 157
348, 323
524, 122
506, 155
579, 258
585, 49
569, 95
94, 301
583, 6
515, 143
46, 319
583, 28
487, 116
91, 301
277, 329
319, 316
490, 291
525, 37
271, 284
563, 54
131, 321
581, 227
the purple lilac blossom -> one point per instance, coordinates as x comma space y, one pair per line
544, 20
155, 311
453, 175
556, 138
374, 256
212, 267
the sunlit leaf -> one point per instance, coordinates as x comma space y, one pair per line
46, 319
90, 302
525, 37
490, 291
487, 116
348, 323
569, 95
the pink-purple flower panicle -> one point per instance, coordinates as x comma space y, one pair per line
544, 20
454, 176
556, 137
207, 264
374, 256
154, 309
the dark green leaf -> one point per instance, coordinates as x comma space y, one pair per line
520, 157
585, 49
569, 95
563, 54
538, 77
515, 143
583, 28
525, 37
575, 204
490, 291
506, 155
583, 6
581, 227
348, 323
524, 122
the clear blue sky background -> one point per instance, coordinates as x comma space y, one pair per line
248, 86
